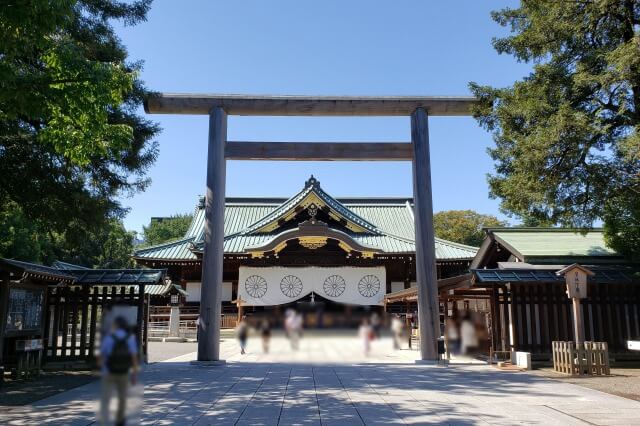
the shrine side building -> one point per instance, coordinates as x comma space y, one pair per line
310, 247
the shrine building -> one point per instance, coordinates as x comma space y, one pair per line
311, 248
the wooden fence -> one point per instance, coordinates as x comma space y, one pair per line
73, 319
588, 358
540, 313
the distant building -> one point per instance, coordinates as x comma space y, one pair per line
529, 304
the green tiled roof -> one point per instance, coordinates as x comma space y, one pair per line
46, 272
389, 223
602, 276
77, 275
180, 249
531, 243
117, 276
311, 186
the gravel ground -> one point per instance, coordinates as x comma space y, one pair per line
624, 382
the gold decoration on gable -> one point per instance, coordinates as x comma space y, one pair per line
344, 246
312, 243
280, 247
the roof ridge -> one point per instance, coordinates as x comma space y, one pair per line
541, 229
312, 185
165, 244
453, 243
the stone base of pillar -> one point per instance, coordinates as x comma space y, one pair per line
208, 363
427, 361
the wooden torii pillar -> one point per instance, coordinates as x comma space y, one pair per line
217, 107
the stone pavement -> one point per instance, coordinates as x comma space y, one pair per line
329, 381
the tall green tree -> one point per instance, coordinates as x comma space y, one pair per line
567, 137
110, 246
164, 229
71, 137
463, 226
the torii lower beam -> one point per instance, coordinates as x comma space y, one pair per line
218, 106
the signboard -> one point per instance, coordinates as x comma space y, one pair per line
24, 309
29, 345
633, 345
576, 280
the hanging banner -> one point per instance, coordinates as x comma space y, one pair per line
280, 285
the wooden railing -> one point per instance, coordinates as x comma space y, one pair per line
188, 327
588, 358
229, 321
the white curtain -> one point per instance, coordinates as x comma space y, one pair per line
280, 285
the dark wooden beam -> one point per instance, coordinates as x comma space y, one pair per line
184, 103
319, 151
426, 269
212, 256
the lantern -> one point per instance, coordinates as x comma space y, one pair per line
175, 299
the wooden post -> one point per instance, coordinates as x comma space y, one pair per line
239, 306
577, 321
447, 324
210, 303
428, 315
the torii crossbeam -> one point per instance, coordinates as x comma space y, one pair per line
417, 151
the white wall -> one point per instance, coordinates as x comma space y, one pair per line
397, 286
226, 292
193, 288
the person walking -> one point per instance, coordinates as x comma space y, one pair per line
365, 332
468, 336
242, 333
396, 328
118, 360
265, 331
375, 325
293, 328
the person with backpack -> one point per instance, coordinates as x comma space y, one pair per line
119, 364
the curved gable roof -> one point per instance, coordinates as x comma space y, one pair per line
311, 194
386, 224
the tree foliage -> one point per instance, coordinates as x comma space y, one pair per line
71, 139
463, 226
21, 238
567, 137
161, 230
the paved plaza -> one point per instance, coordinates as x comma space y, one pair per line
330, 381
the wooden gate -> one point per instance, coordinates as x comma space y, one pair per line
74, 317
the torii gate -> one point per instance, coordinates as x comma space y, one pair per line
417, 151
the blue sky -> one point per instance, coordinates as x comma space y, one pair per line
329, 47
